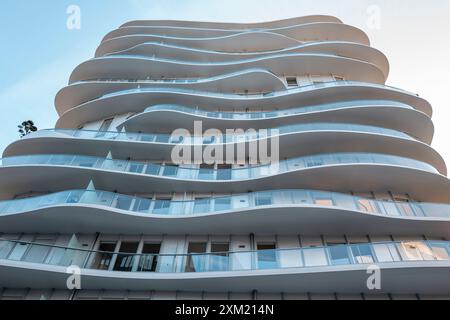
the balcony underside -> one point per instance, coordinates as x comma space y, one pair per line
406, 277
410, 121
291, 145
139, 67
322, 30
266, 220
139, 100
232, 25
251, 41
340, 48
252, 80
420, 185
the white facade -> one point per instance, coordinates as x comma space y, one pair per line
357, 186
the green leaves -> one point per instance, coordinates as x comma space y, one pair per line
26, 127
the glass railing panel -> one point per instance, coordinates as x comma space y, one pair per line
123, 202
386, 252
414, 251
162, 207
126, 262
240, 261
202, 206
36, 253
170, 171
217, 262
339, 255
315, 257
363, 254
196, 263
101, 260
171, 263
335, 255
153, 169
206, 174
291, 258
6, 248
440, 250
57, 257
148, 263
18, 251
223, 204
142, 205
267, 259
289, 129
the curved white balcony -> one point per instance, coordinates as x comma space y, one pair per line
137, 100
286, 211
318, 30
245, 41
251, 80
233, 25
339, 48
118, 67
294, 140
340, 268
402, 117
333, 172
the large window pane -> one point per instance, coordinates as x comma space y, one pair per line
267, 256
102, 259
125, 260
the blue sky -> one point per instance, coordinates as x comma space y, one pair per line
38, 52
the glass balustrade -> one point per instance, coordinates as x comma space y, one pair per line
239, 202
221, 139
182, 80
309, 87
235, 174
277, 113
189, 173
327, 256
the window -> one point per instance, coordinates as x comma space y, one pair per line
149, 258
196, 262
125, 260
292, 82
103, 258
105, 127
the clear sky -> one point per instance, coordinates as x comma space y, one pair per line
38, 52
